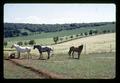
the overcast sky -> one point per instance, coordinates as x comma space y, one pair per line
59, 13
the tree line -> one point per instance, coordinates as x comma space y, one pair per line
16, 29
84, 34
60, 39
31, 42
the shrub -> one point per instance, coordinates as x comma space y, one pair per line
55, 39
31, 42
20, 43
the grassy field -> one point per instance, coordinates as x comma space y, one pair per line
97, 61
93, 44
90, 66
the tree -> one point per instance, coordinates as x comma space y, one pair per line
95, 31
25, 43
86, 33
20, 43
5, 43
104, 31
61, 39
90, 32
71, 36
31, 42
77, 35
81, 34
55, 39
108, 31
24, 33
66, 38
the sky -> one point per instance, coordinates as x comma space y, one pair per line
59, 13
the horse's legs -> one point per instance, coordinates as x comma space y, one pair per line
29, 55
40, 55
48, 54
51, 53
18, 55
73, 54
79, 54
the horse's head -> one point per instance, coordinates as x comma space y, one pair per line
36, 46
70, 50
12, 46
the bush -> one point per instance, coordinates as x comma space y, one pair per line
71, 36
24, 33
61, 39
90, 32
31, 42
86, 33
20, 43
55, 39
104, 31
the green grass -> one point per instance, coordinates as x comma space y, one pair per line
90, 66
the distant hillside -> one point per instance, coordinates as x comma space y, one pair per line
20, 29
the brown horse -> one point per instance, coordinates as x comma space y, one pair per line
75, 49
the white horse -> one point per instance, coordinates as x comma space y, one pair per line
21, 49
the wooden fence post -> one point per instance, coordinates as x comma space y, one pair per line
85, 48
110, 48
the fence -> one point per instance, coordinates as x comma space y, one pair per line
87, 48
99, 48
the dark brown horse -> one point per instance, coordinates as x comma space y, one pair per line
75, 49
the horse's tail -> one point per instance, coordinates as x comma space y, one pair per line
52, 50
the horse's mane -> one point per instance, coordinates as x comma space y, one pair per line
16, 45
80, 46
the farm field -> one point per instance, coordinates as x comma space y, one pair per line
97, 60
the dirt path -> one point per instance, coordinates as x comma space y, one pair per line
43, 73
12, 71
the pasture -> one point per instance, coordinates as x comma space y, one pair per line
97, 60
92, 66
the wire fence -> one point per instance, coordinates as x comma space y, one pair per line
99, 48
88, 48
